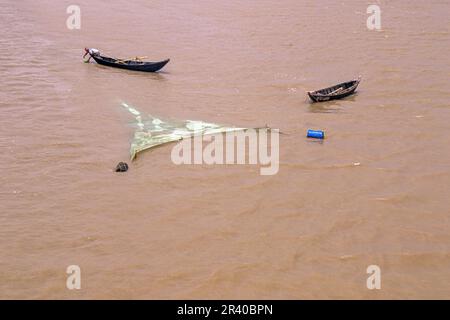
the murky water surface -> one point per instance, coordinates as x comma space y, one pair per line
167, 231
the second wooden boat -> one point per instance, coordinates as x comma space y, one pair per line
338, 91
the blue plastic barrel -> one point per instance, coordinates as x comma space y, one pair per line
317, 134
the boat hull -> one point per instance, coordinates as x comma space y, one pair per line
131, 65
336, 92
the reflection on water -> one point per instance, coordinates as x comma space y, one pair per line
322, 108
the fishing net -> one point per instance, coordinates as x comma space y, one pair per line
152, 131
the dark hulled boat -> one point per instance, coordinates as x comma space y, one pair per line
338, 91
130, 64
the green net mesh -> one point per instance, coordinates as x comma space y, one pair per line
152, 131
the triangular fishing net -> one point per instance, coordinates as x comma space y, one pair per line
152, 131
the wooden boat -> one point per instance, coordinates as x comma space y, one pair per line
338, 91
135, 64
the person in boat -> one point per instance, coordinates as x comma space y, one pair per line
91, 52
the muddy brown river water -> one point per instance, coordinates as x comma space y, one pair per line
200, 231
